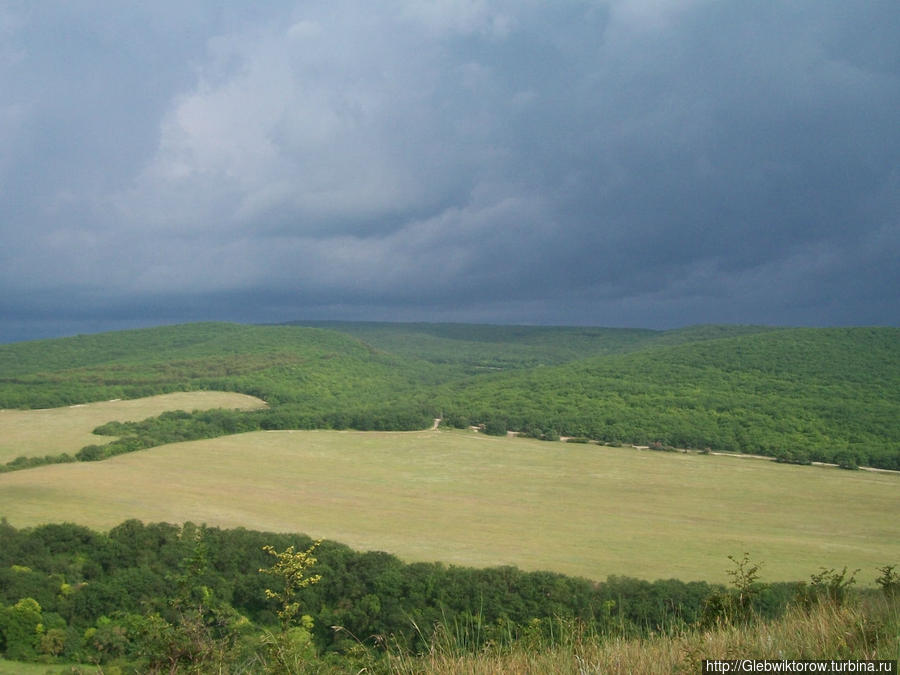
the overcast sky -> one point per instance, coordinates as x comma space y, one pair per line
649, 163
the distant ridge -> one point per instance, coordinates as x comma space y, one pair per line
517, 345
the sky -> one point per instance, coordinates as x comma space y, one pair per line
644, 163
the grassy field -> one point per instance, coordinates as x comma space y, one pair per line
21, 668
470, 499
55, 430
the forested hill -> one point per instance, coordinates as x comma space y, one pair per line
321, 370
801, 394
804, 394
482, 346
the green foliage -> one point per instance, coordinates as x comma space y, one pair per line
158, 597
23, 462
824, 395
163, 595
478, 348
322, 370
21, 626
792, 456
292, 569
740, 604
827, 585
889, 580
801, 395
745, 579
288, 651
845, 459
495, 427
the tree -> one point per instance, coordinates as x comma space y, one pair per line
495, 427
22, 627
736, 605
889, 581
292, 568
294, 644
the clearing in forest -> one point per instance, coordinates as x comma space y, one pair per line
52, 431
470, 499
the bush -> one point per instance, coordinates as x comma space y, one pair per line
90, 453
496, 427
889, 581
793, 457
735, 605
827, 584
847, 460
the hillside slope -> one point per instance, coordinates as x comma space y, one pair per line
322, 370
807, 394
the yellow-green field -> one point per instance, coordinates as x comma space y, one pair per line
21, 668
56, 430
472, 499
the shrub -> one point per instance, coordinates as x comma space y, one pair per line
889, 581
827, 584
495, 427
90, 453
735, 605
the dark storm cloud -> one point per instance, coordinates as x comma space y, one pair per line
643, 162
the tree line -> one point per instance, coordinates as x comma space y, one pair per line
153, 596
70, 593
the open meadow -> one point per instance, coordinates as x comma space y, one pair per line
31, 433
471, 499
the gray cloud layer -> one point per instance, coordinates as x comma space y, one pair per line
618, 162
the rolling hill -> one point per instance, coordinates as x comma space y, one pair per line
803, 394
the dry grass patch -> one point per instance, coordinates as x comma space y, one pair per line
55, 430
857, 631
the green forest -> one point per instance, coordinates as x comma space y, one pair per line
157, 597
797, 394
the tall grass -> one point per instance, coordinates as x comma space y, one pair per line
866, 628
